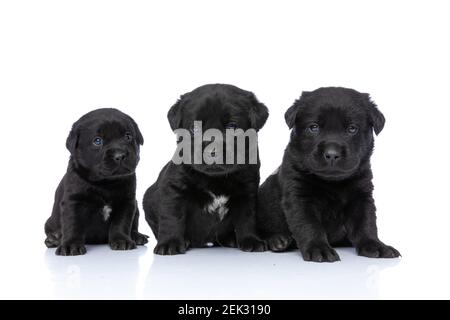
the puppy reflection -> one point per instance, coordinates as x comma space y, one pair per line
94, 278
260, 277
95, 201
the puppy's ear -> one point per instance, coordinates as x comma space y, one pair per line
291, 114
258, 113
139, 137
175, 114
72, 139
376, 118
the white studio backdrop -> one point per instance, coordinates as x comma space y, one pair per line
61, 59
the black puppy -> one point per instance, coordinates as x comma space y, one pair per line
322, 193
95, 201
208, 204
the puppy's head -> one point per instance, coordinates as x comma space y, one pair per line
219, 107
333, 131
105, 143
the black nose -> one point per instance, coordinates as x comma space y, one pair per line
119, 156
332, 154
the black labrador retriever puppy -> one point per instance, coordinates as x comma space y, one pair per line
95, 201
205, 204
321, 195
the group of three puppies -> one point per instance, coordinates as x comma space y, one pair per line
320, 196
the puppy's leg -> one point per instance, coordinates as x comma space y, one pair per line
121, 224
226, 237
306, 229
362, 230
53, 230
271, 220
53, 224
73, 215
138, 237
243, 214
171, 223
53, 239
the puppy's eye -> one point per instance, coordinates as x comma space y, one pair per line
231, 125
352, 129
128, 137
314, 128
97, 141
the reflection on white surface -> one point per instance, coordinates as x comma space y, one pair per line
212, 273
102, 273
231, 274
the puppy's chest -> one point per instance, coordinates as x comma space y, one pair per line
333, 210
216, 205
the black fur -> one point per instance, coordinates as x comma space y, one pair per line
321, 196
175, 205
98, 176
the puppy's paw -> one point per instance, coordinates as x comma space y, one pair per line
279, 242
53, 240
139, 238
122, 244
377, 249
252, 244
171, 247
320, 253
70, 250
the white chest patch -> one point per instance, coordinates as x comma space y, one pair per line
218, 205
106, 212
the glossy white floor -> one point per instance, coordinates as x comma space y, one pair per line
218, 273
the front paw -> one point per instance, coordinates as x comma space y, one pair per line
70, 250
171, 247
252, 244
122, 244
139, 238
279, 242
377, 249
320, 253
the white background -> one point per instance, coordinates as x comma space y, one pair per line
60, 59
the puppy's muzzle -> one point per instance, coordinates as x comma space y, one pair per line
117, 159
332, 154
119, 156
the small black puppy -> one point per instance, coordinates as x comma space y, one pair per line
203, 204
95, 201
322, 193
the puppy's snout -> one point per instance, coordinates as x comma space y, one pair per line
119, 155
332, 154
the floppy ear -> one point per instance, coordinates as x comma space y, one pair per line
174, 115
258, 113
72, 139
376, 118
139, 137
291, 113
